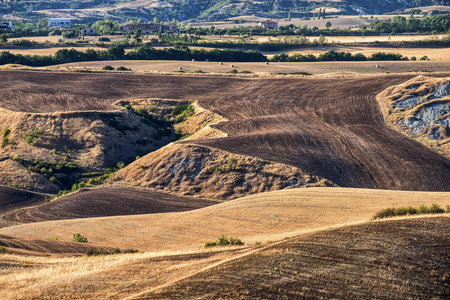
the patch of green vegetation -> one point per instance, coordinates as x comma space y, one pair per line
32, 136
3, 250
52, 239
183, 112
224, 241
100, 251
198, 71
79, 238
407, 211
122, 68
234, 71
108, 68
5, 140
246, 72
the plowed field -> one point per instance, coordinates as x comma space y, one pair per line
106, 202
331, 128
11, 198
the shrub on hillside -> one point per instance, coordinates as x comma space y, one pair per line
224, 241
122, 68
406, 211
79, 238
3, 250
108, 68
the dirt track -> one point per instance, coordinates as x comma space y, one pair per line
106, 202
11, 198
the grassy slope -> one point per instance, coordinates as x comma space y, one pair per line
261, 217
372, 260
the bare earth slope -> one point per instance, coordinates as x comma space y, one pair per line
374, 260
329, 128
260, 217
11, 198
106, 202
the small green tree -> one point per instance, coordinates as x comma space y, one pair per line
232, 163
3, 38
328, 24
79, 238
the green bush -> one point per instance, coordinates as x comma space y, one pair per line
234, 71
108, 68
33, 135
198, 71
5, 140
121, 68
79, 238
406, 211
100, 251
3, 250
224, 241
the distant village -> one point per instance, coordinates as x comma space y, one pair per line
63, 24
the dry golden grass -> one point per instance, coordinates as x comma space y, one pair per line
48, 51
261, 217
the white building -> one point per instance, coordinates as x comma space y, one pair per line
59, 23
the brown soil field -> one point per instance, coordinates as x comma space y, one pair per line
106, 202
41, 247
371, 260
324, 127
331, 69
11, 198
261, 217
374, 260
329, 128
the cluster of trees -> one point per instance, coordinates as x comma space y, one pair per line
336, 56
399, 24
146, 52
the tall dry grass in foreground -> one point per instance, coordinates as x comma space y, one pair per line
24, 277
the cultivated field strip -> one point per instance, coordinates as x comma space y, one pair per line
106, 202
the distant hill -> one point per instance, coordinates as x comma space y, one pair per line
182, 10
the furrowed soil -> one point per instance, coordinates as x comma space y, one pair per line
330, 129
370, 260
106, 202
11, 198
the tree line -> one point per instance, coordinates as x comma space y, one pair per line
146, 52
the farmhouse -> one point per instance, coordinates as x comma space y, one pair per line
59, 23
88, 31
268, 24
150, 28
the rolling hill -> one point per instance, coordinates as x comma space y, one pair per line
371, 260
261, 217
89, 10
